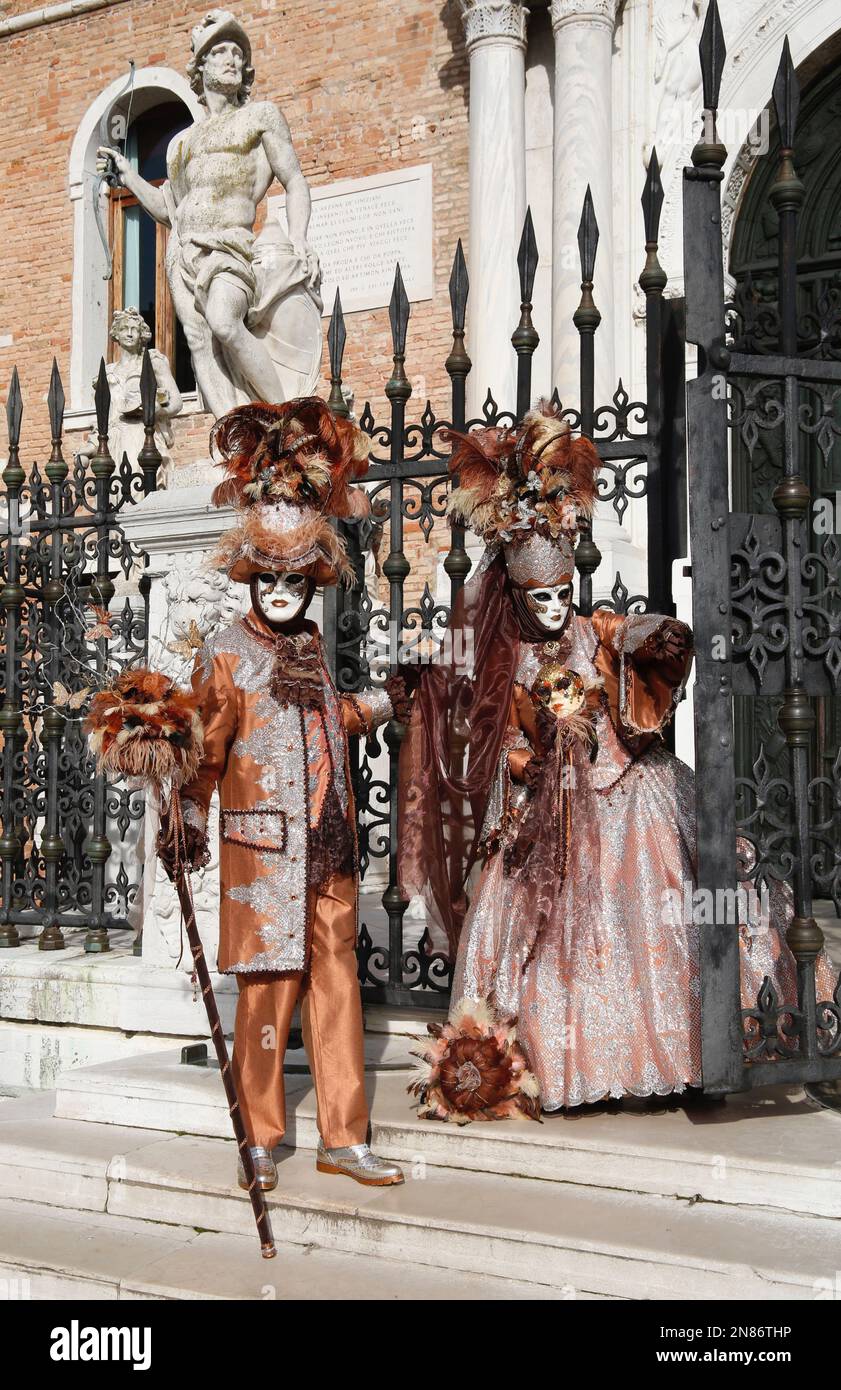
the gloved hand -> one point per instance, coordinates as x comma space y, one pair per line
195, 851
671, 640
399, 694
533, 771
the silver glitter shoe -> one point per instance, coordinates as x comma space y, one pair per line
359, 1163
265, 1166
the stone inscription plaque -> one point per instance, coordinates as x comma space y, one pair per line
361, 229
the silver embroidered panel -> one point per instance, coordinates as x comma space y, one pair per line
256, 830
379, 704
277, 747
194, 815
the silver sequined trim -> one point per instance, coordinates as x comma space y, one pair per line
194, 815
379, 704
636, 629
505, 793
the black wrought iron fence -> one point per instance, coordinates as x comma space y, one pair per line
776, 631
68, 843
409, 487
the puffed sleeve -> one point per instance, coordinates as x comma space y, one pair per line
519, 742
643, 683
214, 689
366, 711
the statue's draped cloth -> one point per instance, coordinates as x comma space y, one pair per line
283, 310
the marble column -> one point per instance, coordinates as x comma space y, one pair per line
583, 154
495, 34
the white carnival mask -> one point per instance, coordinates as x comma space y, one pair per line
280, 597
550, 605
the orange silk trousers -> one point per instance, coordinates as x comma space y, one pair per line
331, 1018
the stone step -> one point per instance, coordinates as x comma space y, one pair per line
60, 1010
771, 1148
554, 1235
160, 1092
116, 990
35, 1054
45, 1254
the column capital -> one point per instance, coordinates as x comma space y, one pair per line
493, 21
584, 12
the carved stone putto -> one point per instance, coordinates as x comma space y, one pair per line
493, 19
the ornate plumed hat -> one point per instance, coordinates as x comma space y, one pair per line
288, 471
525, 490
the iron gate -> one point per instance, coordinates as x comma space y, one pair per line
777, 631
409, 484
68, 844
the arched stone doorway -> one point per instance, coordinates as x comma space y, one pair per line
92, 294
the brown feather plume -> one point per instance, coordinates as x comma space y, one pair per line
296, 452
538, 476
145, 726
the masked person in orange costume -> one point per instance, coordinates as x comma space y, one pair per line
275, 746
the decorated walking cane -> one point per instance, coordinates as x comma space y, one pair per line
145, 728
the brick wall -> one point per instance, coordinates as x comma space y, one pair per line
366, 85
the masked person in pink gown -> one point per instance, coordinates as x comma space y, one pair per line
534, 777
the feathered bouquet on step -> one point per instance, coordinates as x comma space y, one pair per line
473, 1068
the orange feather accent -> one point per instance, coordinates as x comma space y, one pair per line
297, 451
146, 727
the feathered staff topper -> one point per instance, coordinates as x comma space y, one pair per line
145, 727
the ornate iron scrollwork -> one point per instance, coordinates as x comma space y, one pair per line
371, 631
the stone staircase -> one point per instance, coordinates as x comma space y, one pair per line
120, 1184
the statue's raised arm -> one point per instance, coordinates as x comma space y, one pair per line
150, 197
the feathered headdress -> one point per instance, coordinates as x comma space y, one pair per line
526, 490
288, 470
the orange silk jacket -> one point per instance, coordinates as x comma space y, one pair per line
276, 766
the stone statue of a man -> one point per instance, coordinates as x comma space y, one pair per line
249, 305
